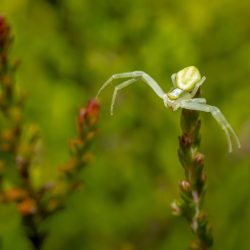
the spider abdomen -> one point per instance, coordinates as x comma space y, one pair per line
187, 78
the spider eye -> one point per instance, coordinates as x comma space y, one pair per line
187, 78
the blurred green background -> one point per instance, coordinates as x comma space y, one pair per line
68, 49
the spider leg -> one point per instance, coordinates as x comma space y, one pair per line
173, 79
178, 102
218, 116
152, 83
197, 86
117, 76
139, 75
197, 100
118, 87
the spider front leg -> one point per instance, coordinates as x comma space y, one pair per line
197, 86
218, 116
135, 75
173, 79
117, 76
119, 87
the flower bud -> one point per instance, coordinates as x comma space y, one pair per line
185, 140
27, 207
199, 159
4, 34
185, 186
175, 208
15, 194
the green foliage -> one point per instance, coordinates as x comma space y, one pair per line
68, 49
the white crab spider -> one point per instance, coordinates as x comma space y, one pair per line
186, 83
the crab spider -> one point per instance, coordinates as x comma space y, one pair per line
186, 83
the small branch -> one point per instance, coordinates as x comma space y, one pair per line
86, 125
192, 188
18, 151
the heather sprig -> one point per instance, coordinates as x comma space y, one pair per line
18, 148
192, 187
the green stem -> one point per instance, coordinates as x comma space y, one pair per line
192, 188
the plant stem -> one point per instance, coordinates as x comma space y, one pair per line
18, 148
192, 188
34, 235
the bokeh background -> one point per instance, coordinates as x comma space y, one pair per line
68, 49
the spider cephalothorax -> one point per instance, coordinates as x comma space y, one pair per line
186, 83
